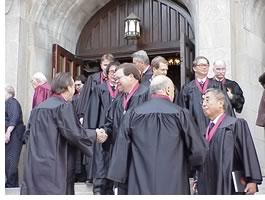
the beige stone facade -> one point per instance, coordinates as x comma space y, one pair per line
232, 30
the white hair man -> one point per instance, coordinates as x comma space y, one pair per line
41, 88
141, 60
234, 91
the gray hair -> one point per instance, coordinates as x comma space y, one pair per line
40, 77
10, 90
141, 56
219, 95
159, 83
219, 62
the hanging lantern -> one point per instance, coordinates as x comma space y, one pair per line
132, 27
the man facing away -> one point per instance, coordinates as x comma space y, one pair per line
156, 143
231, 148
42, 89
53, 133
261, 112
234, 92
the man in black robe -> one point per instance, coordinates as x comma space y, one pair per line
91, 82
231, 148
190, 96
132, 94
234, 92
99, 102
82, 102
141, 60
261, 112
52, 136
14, 131
156, 144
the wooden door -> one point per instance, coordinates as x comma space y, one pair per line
187, 55
65, 61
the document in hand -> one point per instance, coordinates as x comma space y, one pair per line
239, 181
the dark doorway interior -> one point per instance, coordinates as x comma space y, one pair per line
92, 66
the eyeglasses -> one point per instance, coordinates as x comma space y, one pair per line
202, 65
111, 71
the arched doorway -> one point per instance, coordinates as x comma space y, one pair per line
166, 30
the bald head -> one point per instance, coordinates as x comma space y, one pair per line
162, 85
219, 69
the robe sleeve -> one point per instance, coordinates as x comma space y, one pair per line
238, 99
195, 143
261, 113
247, 152
92, 114
84, 97
70, 128
118, 170
182, 99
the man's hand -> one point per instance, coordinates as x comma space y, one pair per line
101, 135
251, 188
7, 137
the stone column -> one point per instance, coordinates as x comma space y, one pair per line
213, 38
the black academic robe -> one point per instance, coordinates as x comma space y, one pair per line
231, 148
98, 104
116, 112
157, 142
147, 75
190, 97
53, 134
238, 99
82, 102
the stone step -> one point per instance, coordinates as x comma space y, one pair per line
86, 189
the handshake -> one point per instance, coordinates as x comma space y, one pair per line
101, 135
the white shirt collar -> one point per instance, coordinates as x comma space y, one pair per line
217, 118
201, 80
146, 69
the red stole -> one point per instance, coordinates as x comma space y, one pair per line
127, 98
160, 96
209, 135
112, 94
205, 85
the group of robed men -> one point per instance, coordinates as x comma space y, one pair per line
150, 145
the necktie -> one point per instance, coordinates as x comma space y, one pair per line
210, 127
202, 83
113, 88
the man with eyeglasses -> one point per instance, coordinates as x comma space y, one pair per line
190, 96
82, 102
231, 151
131, 95
101, 98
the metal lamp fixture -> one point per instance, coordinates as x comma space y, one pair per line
132, 27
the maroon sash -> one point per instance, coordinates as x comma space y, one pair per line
127, 98
209, 134
160, 96
205, 86
112, 94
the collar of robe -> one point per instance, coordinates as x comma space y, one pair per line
222, 81
113, 94
205, 86
59, 96
126, 98
160, 96
209, 134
